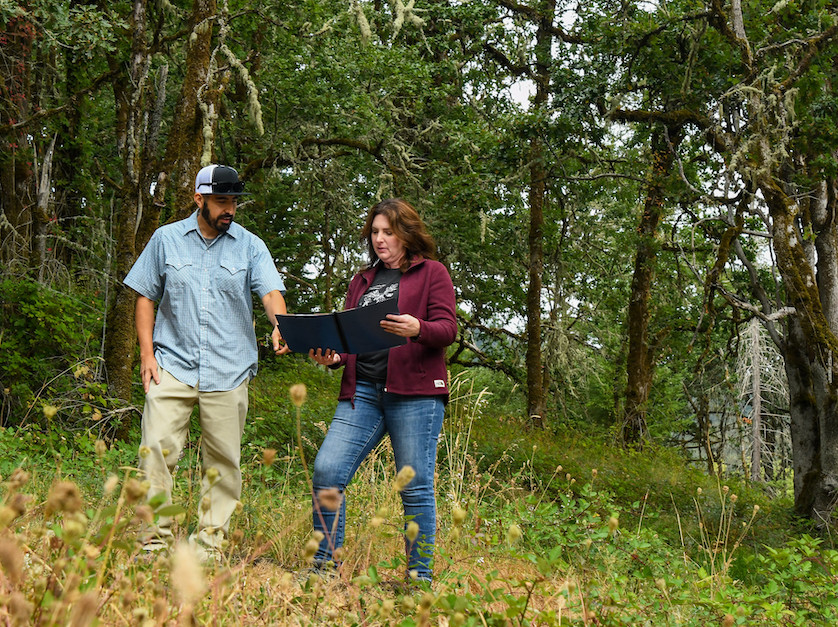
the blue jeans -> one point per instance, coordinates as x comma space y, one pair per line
413, 424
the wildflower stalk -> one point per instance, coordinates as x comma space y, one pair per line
105, 558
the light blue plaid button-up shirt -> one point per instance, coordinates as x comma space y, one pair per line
203, 329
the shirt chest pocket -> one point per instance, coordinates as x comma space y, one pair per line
178, 274
232, 277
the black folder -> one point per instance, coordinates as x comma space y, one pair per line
351, 331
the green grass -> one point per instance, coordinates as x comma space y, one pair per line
547, 528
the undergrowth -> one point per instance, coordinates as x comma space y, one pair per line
534, 529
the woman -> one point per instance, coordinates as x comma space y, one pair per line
400, 391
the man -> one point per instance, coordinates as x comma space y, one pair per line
201, 348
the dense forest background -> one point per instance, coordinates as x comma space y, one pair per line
636, 200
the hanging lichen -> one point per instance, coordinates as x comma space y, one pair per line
404, 14
209, 118
201, 28
254, 107
363, 24
167, 7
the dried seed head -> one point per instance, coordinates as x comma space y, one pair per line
237, 537
404, 477
408, 604
728, 620
412, 531
733, 498
11, 559
144, 451
64, 497
268, 456
459, 515
165, 452
310, 549
698, 491
513, 534
386, 608
330, 499
134, 490
84, 610
427, 600
613, 524
594, 473
160, 610
111, 483
74, 527
212, 475
725, 489
101, 447
239, 507
17, 502
143, 513
18, 479
50, 411
187, 575
298, 393
206, 503
20, 609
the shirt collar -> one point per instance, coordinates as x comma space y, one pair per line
191, 224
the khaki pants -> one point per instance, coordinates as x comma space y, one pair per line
168, 407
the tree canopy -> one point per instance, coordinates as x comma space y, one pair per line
618, 188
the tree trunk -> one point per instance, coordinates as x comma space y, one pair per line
130, 97
185, 144
811, 288
328, 267
139, 212
17, 182
640, 357
536, 404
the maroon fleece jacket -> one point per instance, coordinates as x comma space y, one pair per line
418, 367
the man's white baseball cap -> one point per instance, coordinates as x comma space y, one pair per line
219, 179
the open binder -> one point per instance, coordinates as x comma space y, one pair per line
351, 331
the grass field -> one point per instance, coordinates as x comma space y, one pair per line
535, 528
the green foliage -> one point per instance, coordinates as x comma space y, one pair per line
45, 336
526, 543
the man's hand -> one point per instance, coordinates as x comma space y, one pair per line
274, 303
280, 347
149, 371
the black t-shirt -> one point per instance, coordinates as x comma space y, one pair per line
385, 286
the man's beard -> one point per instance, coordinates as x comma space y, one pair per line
221, 227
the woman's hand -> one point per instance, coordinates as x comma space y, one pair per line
324, 357
404, 325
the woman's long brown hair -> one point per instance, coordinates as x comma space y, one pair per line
406, 225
